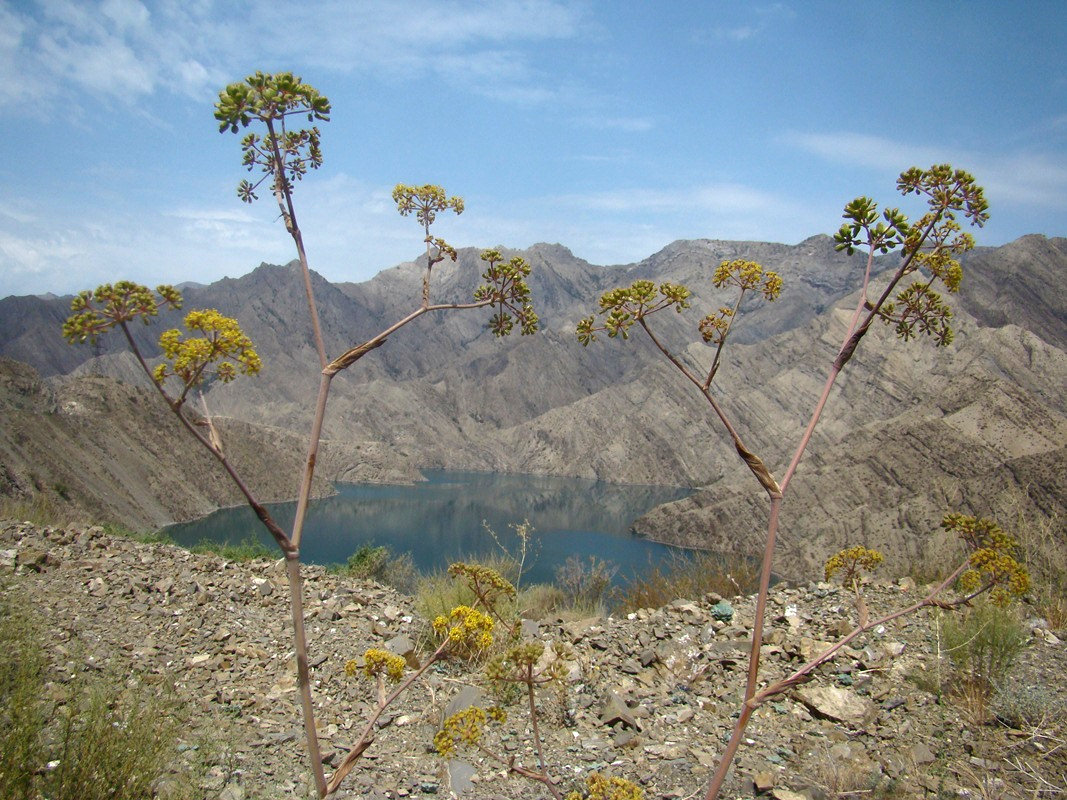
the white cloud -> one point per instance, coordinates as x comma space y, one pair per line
125, 14
125, 50
117, 49
620, 123
758, 19
1026, 178
717, 197
857, 149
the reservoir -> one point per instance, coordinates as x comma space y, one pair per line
440, 520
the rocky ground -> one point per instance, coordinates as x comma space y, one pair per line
650, 695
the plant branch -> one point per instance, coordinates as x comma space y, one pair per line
366, 737
314, 440
529, 681
285, 203
754, 463
292, 565
722, 342
853, 336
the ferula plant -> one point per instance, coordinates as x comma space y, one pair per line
279, 152
464, 632
910, 301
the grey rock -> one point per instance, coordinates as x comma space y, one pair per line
835, 703
404, 647
613, 711
459, 776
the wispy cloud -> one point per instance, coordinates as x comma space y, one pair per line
125, 49
618, 123
122, 50
754, 20
1028, 178
716, 197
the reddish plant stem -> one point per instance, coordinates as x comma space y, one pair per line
722, 343
314, 440
176, 407
292, 566
366, 737
285, 204
344, 361
852, 338
303, 679
754, 463
526, 772
803, 673
533, 717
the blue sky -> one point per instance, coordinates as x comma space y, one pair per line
613, 128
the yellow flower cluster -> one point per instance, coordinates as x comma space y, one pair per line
714, 327
466, 628
747, 275
601, 788
222, 343
464, 727
378, 662
850, 562
993, 559
98, 311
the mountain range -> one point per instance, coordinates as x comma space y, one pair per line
912, 431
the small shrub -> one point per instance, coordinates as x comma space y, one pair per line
438, 593
586, 586
104, 743
367, 561
1044, 548
983, 644
22, 718
691, 575
377, 563
111, 746
1020, 706
522, 550
541, 600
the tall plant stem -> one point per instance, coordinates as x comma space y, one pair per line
853, 335
312, 457
303, 681
285, 203
533, 718
292, 567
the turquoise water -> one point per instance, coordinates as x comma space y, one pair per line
440, 520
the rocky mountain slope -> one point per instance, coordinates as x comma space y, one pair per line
910, 433
111, 452
649, 697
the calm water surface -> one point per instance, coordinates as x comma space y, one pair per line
440, 520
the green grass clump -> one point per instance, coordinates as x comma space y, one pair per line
1023, 705
249, 549
111, 745
22, 717
39, 510
100, 739
438, 593
586, 585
